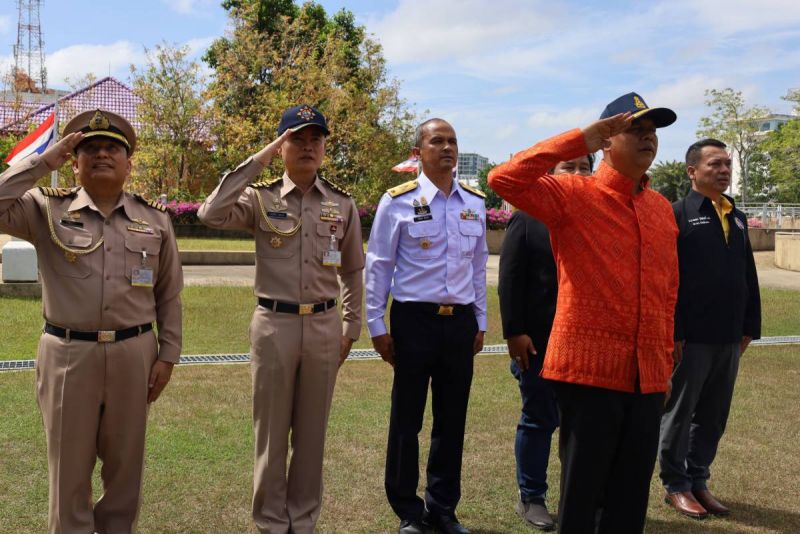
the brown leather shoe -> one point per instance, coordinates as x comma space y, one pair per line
685, 503
710, 503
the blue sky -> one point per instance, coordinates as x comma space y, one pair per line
505, 73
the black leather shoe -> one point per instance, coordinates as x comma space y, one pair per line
444, 524
410, 527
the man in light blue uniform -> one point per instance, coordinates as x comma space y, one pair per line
428, 248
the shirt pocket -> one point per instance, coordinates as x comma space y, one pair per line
469, 233
322, 241
270, 244
141, 251
77, 239
426, 240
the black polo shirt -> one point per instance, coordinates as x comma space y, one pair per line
718, 298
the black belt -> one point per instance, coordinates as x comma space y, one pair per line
297, 309
432, 308
101, 336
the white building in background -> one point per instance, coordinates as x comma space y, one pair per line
770, 123
469, 165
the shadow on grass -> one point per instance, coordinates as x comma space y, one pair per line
744, 514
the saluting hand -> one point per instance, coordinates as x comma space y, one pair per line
265, 155
598, 133
384, 345
160, 374
61, 152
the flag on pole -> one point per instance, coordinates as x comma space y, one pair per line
37, 141
409, 165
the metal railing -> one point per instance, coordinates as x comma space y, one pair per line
778, 216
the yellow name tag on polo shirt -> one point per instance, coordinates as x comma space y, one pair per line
142, 277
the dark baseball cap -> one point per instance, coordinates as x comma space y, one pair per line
298, 117
636, 105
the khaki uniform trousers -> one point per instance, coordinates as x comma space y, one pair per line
93, 398
294, 362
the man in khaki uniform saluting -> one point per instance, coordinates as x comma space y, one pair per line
109, 266
307, 232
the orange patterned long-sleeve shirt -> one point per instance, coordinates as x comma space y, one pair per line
617, 264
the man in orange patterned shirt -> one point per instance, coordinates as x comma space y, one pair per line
610, 350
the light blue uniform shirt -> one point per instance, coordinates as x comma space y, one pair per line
440, 260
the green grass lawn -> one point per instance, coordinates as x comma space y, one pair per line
215, 320
216, 243
198, 473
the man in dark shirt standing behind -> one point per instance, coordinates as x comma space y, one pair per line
717, 315
528, 289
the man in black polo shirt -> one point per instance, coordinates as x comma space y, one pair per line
717, 315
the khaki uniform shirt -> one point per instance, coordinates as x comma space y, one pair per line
94, 292
289, 268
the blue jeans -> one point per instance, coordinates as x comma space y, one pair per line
538, 421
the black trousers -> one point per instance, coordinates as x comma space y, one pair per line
435, 349
607, 446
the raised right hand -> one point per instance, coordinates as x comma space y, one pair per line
384, 345
61, 152
265, 155
598, 133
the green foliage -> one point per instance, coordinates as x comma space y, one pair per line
305, 56
782, 148
174, 143
670, 179
734, 123
7, 143
492, 199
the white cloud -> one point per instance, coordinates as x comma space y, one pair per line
101, 60
187, 7
562, 119
734, 16
5, 24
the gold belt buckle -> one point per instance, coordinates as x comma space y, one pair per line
445, 310
106, 336
306, 309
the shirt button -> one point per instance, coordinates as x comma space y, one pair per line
108, 223
108, 249
305, 287
306, 234
108, 277
305, 261
106, 308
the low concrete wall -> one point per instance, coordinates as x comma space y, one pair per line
762, 238
217, 257
787, 250
21, 289
494, 240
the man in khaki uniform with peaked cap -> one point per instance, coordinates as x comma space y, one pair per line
307, 232
109, 267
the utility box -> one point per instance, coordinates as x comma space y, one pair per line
19, 262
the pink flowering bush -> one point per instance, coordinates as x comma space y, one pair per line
367, 216
755, 222
183, 212
497, 219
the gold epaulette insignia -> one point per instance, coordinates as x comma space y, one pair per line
336, 187
475, 191
402, 189
58, 192
263, 183
152, 203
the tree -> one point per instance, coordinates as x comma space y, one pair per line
492, 199
670, 179
732, 122
300, 55
782, 148
174, 136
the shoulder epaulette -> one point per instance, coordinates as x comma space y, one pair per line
335, 187
59, 192
475, 191
263, 183
152, 203
402, 189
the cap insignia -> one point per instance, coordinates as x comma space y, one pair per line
306, 113
638, 103
98, 122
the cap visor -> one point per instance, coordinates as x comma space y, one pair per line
111, 135
661, 117
300, 127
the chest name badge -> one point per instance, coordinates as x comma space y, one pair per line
142, 276
333, 256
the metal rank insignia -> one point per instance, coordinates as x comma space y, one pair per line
469, 214
425, 243
275, 241
279, 205
71, 218
140, 228
70, 256
329, 211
